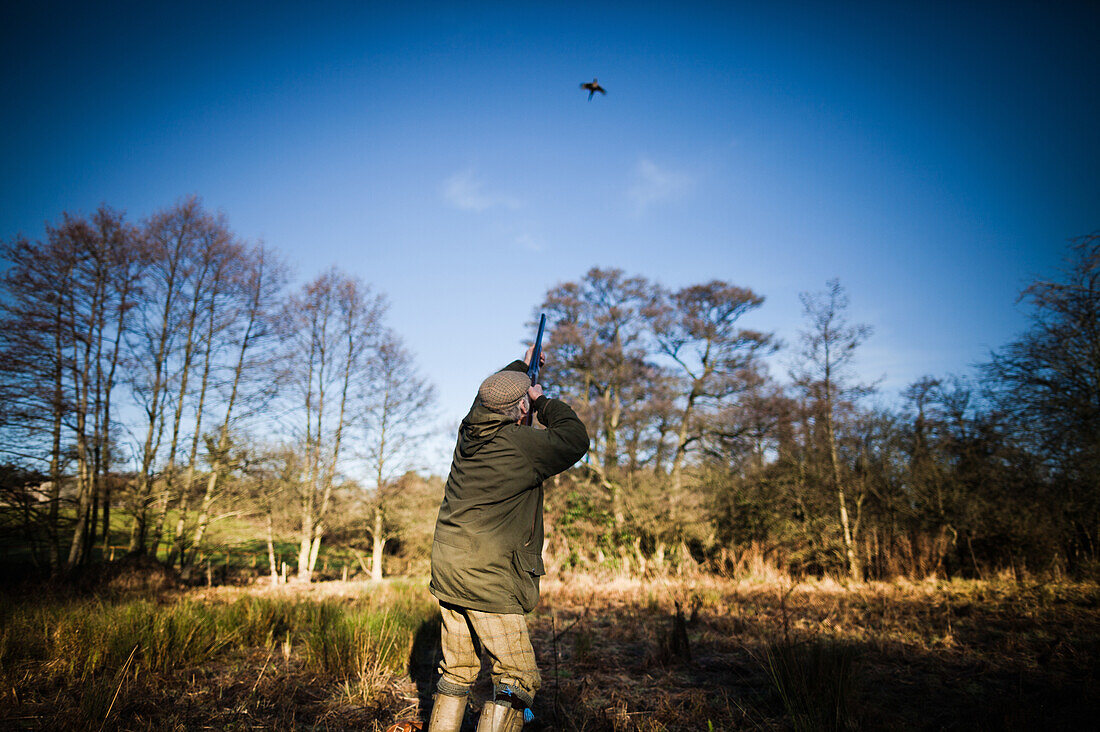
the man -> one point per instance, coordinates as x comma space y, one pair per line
487, 552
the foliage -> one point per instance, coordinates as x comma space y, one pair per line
159, 377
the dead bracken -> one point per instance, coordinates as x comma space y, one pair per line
997, 654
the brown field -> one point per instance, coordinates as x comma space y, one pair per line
614, 654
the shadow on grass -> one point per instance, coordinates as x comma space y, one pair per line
424, 657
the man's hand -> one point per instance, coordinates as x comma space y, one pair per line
530, 352
533, 393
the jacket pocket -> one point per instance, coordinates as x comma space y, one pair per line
528, 568
452, 538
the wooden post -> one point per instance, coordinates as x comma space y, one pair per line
345, 573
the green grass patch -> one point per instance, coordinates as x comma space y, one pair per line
79, 640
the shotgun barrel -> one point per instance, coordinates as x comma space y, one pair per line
533, 367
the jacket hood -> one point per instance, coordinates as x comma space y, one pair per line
479, 427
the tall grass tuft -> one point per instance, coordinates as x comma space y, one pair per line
259, 622
93, 638
105, 651
359, 647
99, 696
80, 640
815, 681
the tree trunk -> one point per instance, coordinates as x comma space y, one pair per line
272, 564
165, 498
179, 539
154, 411
55, 434
218, 460
379, 541
315, 548
659, 451
313, 446
682, 438
854, 570
107, 390
305, 548
82, 369
612, 413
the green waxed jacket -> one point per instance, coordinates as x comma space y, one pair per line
487, 552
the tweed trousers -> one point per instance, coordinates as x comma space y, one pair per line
503, 638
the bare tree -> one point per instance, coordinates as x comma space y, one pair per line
35, 366
697, 328
214, 254
64, 318
107, 263
333, 322
1048, 382
174, 237
924, 470
251, 374
829, 344
126, 268
650, 418
597, 348
396, 416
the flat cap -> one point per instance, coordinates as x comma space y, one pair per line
503, 389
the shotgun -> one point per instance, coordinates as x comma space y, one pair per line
533, 367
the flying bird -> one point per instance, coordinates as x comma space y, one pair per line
593, 87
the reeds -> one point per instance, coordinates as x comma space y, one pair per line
98, 649
815, 682
79, 640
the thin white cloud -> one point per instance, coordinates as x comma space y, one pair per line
528, 242
466, 192
653, 184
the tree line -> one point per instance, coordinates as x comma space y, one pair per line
170, 370
167, 367
712, 443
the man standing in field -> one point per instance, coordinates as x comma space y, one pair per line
487, 552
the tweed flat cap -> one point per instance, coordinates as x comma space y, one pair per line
503, 389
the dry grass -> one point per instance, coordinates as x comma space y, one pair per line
931, 655
747, 654
225, 659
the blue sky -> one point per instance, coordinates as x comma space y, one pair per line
934, 157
